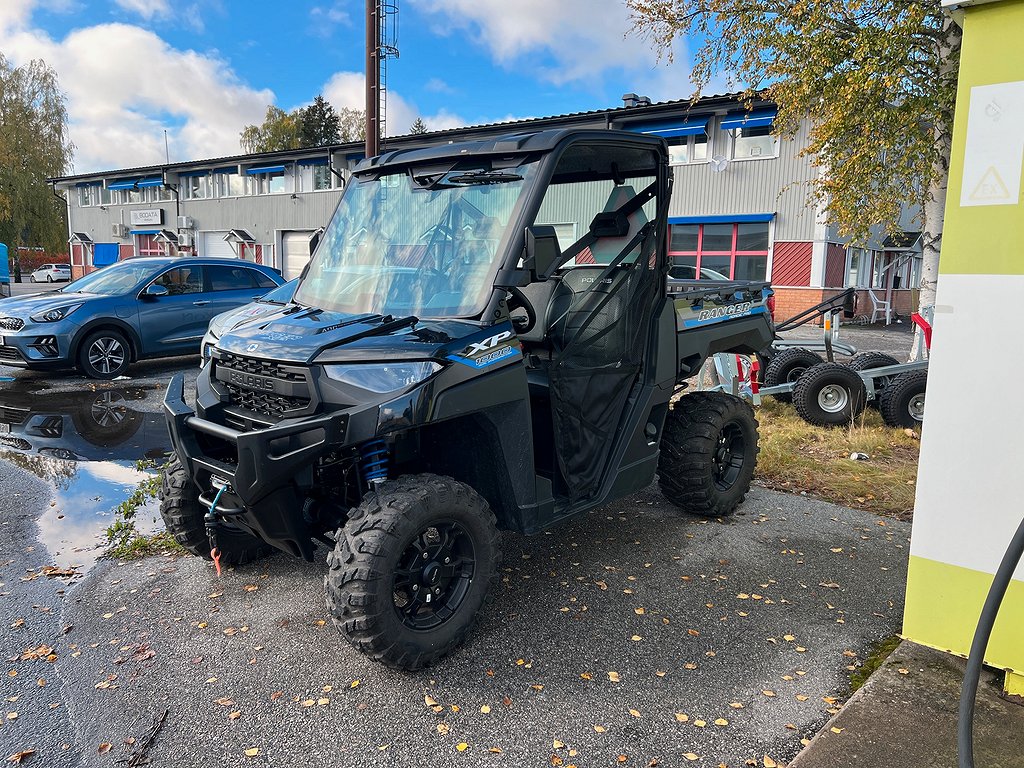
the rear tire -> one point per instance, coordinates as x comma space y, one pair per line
867, 361
184, 519
412, 568
786, 367
829, 395
902, 402
708, 453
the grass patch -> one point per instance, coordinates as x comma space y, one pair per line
796, 456
124, 541
879, 654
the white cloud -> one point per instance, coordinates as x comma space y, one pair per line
437, 85
147, 9
348, 89
582, 38
125, 85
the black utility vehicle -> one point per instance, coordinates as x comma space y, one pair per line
486, 338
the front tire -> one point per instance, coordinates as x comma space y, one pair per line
183, 517
49, 278
708, 453
104, 355
902, 402
829, 395
411, 569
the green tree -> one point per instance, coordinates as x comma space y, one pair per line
876, 78
319, 124
279, 130
353, 124
418, 126
34, 145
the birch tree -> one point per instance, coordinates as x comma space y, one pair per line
877, 78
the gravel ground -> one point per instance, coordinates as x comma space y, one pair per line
764, 610
896, 340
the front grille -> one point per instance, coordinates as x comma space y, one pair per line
12, 323
293, 379
9, 353
11, 415
265, 403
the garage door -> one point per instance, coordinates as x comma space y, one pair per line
213, 245
295, 252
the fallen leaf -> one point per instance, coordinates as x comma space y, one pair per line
801, 649
252, 752
495, 751
769, 763
586, 676
224, 702
622, 758
801, 697
537, 687
250, 587
789, 638
700, 723
769, 694
17, 757
308, 703
556, 744
693, 633
323, 702
689, 665
635, 713
691, 757
485, 709
600, 728
639, 611
276, 695
601, 585
507, 701
613, 676
443, 728
12, 715
682, 718
903, 671
104, 748
836, 730
430, 701
659, 673
234, 715
721, 721
736, 705
462, 746
636, 638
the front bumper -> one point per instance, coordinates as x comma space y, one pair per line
37, 345
267, 470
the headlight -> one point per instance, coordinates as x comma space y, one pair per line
55, 314
382, 377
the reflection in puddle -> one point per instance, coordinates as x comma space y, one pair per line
86, 445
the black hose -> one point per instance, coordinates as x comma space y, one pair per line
1001, 581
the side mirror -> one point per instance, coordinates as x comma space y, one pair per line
155, 291
543, 254
314, 241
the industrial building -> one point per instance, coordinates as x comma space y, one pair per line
739, 205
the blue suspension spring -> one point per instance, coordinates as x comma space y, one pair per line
374, 464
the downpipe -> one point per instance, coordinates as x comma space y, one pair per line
969, 691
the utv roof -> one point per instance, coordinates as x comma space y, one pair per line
519, 143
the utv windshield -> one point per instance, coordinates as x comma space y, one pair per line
422, 242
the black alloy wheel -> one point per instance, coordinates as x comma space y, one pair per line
434, 575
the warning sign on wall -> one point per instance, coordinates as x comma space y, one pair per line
995, 145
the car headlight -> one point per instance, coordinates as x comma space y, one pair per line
55, 314
382, 377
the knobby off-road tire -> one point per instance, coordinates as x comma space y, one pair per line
867, 361
184, 519
708, 453
786, 367
829, 395
412, 568
902, 402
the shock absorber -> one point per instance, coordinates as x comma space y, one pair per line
374, 461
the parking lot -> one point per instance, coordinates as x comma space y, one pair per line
633, 635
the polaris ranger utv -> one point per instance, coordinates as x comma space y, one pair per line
486, 338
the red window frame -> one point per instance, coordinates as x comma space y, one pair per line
732, 253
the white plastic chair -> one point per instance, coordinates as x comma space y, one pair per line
880, 307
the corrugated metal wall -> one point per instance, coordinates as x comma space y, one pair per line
835, 266
791, 264
777, 185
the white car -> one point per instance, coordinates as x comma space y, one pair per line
52, 273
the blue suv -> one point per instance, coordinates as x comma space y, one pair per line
135, 309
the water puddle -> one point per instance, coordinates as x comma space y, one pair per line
88, 446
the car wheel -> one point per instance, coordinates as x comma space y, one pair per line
31, 278
49, 278
104, 355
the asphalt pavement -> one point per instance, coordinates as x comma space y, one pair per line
632, 635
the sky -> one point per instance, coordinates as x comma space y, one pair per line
204, 69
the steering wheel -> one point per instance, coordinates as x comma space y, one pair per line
517, 300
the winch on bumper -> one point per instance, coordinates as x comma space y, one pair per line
267, 471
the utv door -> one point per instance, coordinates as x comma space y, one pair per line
598, 319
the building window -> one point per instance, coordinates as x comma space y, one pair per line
228, 185
313, 178
735, 251
688, 149
149, 245
752, 143
89, 196
268, 183
196, 187
159, 194
856, 259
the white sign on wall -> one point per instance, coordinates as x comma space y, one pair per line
147, 216
995, 145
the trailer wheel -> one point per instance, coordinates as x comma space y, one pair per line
829, 395
788, 366
184, 519
902, 402
411, 569
708, 453
867, 361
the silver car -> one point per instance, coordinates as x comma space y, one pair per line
51, 273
